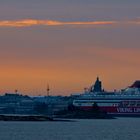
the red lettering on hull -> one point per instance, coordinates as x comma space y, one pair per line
117, 110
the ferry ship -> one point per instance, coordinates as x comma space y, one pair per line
125, 102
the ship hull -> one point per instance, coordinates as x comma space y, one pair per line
115, 107
117, 111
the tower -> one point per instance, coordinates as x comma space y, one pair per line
97, 87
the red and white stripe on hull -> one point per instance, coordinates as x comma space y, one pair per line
116, 110
111, 106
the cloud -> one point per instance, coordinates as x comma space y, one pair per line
18, 23
135, 21
35, 22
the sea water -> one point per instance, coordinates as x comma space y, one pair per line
92, 129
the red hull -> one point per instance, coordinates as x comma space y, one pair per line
117, 110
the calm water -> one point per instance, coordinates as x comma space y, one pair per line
116, 129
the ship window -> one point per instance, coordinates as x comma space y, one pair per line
115, 104
138, 103
120, 104
132, 103
125, 103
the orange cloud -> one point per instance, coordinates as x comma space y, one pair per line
33, 22
80, 23
19, 23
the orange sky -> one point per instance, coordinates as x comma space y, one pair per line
70, 74
67, 44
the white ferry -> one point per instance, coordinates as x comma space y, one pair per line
125, 102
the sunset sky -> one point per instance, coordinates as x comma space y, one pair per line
67, 44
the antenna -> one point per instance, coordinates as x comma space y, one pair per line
48, 90
16, 91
